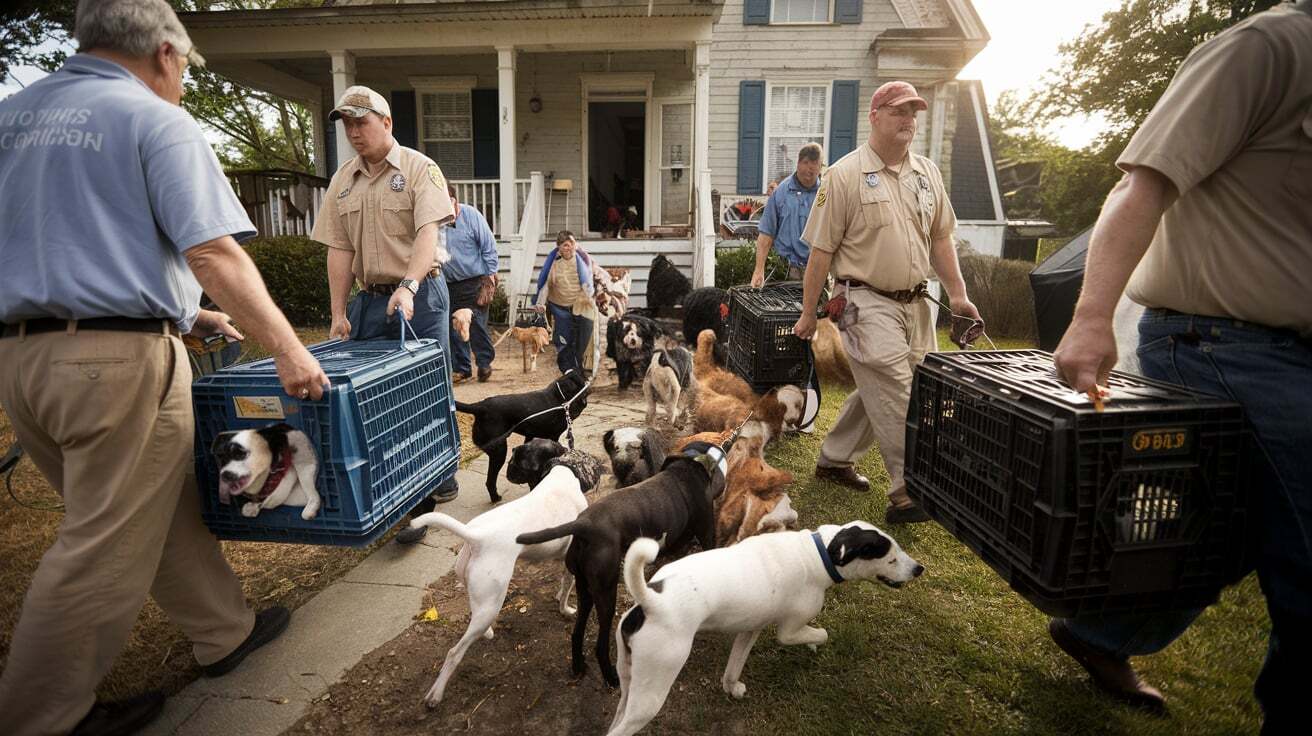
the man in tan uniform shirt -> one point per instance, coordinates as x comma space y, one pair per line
380, 220
882, 224
1214, 218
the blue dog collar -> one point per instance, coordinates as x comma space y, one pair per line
824, 557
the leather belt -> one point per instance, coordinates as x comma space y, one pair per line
387, 289
110, 324
904, 296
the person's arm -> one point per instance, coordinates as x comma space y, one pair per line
1120, 238
340, 279
817, 268
943, 257
763, 244
231, 279
488, 247
421, 262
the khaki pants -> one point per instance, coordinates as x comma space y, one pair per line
888, 341
107, 418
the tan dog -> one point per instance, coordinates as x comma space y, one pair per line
460, 320
831, 362
533, 340
779, 409
715, 438
754, 500
712, 378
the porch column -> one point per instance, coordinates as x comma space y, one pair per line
320, 132
702, 109
703, 247
343, 77
506, 102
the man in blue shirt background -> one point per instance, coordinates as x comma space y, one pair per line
473, 251
785, 216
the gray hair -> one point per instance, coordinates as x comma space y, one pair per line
809, 152
132, 27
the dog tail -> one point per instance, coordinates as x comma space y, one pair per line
642, 551
442, 521
474, 408
555, 532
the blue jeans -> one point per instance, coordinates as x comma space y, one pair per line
463, 294
570, 335
432, 319
1269, 372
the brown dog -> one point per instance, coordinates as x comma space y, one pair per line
533, 340
715, 438
460, 320
779, 409
831, 362
754, 500
712, 378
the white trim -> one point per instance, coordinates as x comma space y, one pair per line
988, 152
443, 84
658, 144
765, 123
618, 87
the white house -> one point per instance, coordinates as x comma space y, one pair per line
547, 113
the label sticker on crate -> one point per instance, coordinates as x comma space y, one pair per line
258, 407
1163, 441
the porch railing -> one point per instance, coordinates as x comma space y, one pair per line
484, 195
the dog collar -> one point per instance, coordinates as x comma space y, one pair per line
824, 557
696, 449
277, 471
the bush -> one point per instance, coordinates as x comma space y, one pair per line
734, 266
295, 270
1000, 288
498, 312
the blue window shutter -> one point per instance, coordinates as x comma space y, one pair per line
842, 118
403, 118
751, 136
847, 11
756, 12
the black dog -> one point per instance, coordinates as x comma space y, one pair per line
635, 454
666, 284
630, 340
496, 417
676, 506
706, 308
531, 461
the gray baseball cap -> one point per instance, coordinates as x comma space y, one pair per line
358, 101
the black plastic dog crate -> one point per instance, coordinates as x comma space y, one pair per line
1139, 507
762, 346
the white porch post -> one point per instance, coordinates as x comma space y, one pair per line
506, 101
703, 261
320, 131
343, 77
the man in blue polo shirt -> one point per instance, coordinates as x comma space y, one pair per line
99, 165
473, 266
785, 216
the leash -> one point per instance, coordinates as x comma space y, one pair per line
954, 315
8, 466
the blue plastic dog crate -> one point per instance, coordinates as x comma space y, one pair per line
385, 435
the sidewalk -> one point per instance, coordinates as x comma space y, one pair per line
379, 599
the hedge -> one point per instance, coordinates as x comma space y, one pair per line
295, 270
1000, 288
734, 266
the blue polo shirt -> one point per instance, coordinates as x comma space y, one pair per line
103, 188
785, 216
471, 245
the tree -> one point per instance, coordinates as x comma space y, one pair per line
25, 28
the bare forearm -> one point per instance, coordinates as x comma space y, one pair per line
340, 279
817, 268
231, 279
763, 244
1120, 238
943, 257
421, 259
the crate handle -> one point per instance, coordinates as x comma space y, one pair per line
405, 324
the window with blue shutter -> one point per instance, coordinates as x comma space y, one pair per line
756, 12
751, 129
843, 118
403, 118
847, 11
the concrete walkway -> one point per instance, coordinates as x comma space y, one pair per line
376, 601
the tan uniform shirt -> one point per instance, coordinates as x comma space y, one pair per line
376, 217
1233, 132
880, 225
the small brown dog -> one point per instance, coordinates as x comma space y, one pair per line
460, 320
831, 362
715, 438
712, 378
533, 340
754, 500
779, 409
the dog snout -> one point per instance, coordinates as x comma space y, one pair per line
229, 477
918, 570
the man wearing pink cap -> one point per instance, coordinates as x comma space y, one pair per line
882, 225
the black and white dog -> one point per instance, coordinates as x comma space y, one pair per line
497, 416
677, 505
776, 579
670, 383
630, 341
268, 467
635, 454
531, 461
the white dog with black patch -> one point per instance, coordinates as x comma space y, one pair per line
775, 579
269, 467
670, 383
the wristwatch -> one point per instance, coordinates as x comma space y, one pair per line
410, 284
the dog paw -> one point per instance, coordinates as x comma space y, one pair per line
568, 611
250, 510
489, 633
433, 698
735, 689
309, 513
612, 679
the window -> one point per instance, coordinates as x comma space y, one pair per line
795, 114
446, 131
799, 11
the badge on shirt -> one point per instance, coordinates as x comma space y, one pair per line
435, 174
342, 194
820, 198
398, 183
872, 180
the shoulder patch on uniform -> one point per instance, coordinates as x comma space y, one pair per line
821, 197
398, 182
435, 174
345, 191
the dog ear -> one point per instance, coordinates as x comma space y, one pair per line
855, 542
221, 440
608, 441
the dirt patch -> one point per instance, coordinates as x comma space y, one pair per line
519, 682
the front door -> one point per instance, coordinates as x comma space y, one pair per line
617, 134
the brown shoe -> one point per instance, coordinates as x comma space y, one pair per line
1113, 675
459, 378
909, 514
484, 374
845, 476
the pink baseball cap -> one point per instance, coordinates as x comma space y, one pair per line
896, 93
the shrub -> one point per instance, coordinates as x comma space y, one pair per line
733, 266
1000, 288
498, 312
295, 270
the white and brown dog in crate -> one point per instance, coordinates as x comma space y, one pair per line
268, 467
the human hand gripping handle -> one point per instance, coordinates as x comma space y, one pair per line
341, 328
300, 373
1086, 354
404, 300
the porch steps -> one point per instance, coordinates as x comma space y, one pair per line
635, 255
